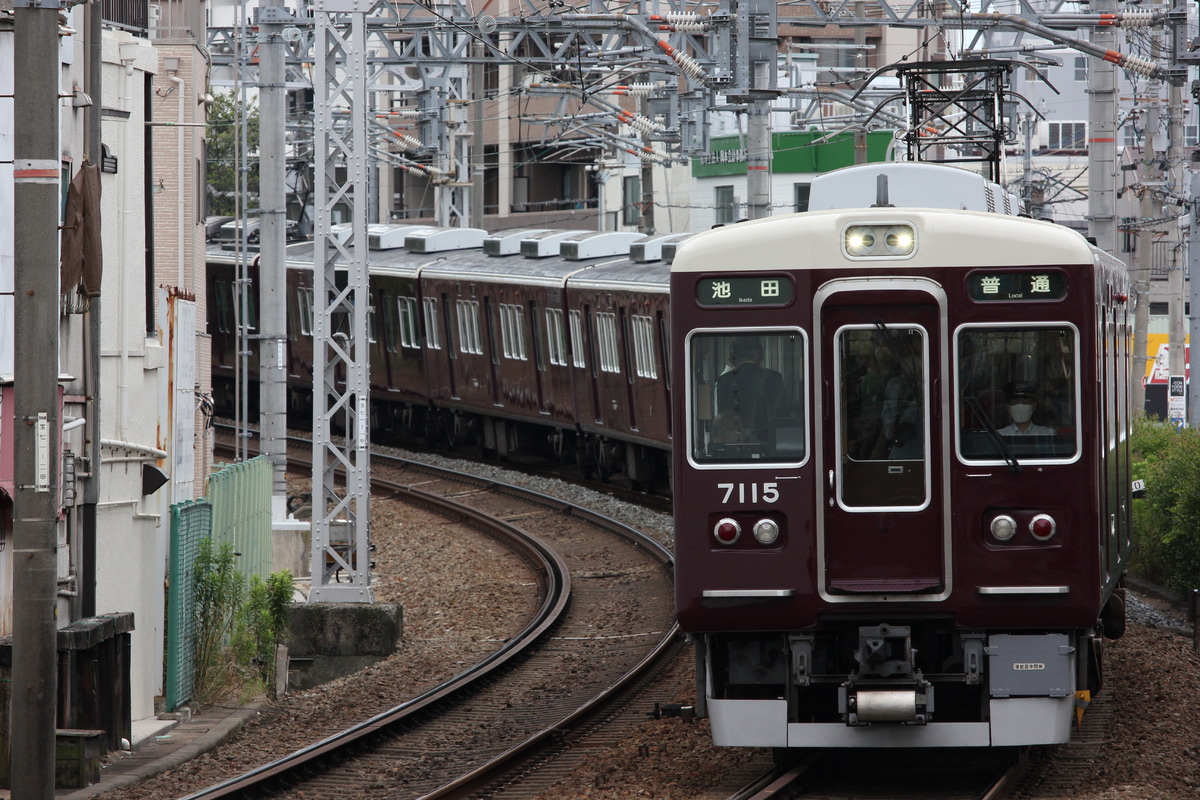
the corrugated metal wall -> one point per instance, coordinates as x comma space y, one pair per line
241, 499
191, 523
237, 511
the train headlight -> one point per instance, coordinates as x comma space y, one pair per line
860, 240
1043, 527
727, 531
766, 531
880, 241
899, 240
1004, 527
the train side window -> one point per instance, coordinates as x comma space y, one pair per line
224, 297
410, 331
578, 351
305, 298
747, 397
1018, 392
469, 340
512, 333
391, 338
555, 337
606, 341
432, 331
643, 339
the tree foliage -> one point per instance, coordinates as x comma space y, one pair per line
225, 144
1167, 522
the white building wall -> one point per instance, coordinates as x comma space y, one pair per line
133, 530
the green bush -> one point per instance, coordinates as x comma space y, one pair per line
1167, 522
262, 626
237, 629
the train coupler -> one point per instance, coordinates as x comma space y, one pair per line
869, 704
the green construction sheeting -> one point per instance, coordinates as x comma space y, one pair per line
792, 151
241, 499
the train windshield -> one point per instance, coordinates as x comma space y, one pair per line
747, 397
1017, 392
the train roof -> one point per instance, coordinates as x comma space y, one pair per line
945, 238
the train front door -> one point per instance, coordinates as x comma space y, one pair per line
882, 529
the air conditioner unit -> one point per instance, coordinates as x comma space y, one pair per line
598, 244
651, 248
546, 243
390, 237
437, 240
507, 243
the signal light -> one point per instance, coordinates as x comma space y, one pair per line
1004, 527
766, 531
1043, 527
727, 531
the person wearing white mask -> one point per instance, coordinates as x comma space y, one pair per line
1021, 405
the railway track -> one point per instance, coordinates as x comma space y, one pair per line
606, 624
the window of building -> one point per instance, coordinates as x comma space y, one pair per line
632, 198
1081, 69
800, 196
1067, 136
726, 205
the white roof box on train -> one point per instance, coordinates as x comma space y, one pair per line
390, 237
910, 184
651, 248
596, 244
545, 243
507, 243
437, 240
342, 231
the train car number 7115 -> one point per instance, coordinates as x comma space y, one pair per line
750, 492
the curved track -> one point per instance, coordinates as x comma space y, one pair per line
595, 636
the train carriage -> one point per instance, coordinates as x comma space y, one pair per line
902, 493
620, 312
498, 351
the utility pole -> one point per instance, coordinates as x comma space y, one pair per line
272, 167
1193, 267
37, 173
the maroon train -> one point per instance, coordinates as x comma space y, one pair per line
902, 473
559, 350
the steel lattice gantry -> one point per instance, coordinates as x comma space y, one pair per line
341, 357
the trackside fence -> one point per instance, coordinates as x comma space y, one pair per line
237, 512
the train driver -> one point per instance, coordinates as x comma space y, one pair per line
1021, 405
749, 395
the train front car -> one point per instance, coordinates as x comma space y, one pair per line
901, 481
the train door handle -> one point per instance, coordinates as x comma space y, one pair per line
831, 483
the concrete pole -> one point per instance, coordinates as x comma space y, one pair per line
1176, 332
758, 159
1102, 136
36, 170
272, 347
1143, 256
478, 134
1193, 266
646, 206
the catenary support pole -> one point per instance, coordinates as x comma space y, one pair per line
272, 167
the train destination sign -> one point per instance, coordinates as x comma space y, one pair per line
758, 290
1017, 286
